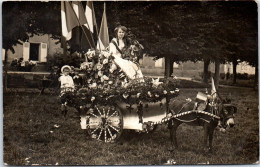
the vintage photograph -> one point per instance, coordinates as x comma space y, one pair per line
130, 83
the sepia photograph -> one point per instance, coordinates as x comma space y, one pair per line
130, 83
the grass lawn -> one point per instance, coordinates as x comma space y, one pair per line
35, 133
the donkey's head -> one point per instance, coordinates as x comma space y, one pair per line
227, 114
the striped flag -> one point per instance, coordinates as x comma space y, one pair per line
90, 15
103, 37
73, 16
68, 20
89, 26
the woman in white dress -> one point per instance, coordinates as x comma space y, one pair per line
116, 47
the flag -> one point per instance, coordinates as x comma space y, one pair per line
68, 20
79, 11
89, 27
103, 38
75, 42
90, 15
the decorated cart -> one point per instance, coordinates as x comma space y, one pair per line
108, 101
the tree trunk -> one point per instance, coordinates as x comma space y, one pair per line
206, 70
216, 77
5, 70
256, 78
64, 45
168, 67
234, 62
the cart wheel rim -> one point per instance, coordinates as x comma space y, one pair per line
105, 123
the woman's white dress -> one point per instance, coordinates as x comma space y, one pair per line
131, 69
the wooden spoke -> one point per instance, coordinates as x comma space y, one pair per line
95, 130
100, 134
105, 130
94, 115
104, 112
108, 111
98, 110
109, 132
114, 128
112, 114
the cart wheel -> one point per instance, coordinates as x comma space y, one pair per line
105, 123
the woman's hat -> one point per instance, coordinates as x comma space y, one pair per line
66, 66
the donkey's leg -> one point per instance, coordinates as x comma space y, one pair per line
206, 135
173, 128
173, 125
170, 127
211, 133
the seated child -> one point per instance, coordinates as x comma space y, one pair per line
67, 88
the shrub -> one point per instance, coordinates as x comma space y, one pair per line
244, 76
21, 65
59, 60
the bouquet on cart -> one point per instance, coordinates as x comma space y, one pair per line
105, 82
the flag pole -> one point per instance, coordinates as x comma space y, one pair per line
81, 26
96, 25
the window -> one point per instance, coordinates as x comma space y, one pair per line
35, 51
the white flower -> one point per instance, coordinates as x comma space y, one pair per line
92, 98
149, 94
112, 68
125, 96
101, 56
84, 66
177, 90
93, 85
124, 84
23, 64
105, 61
188, 100
156, 82
138, 95
156, 95
102, 79
99, 67
110, 82
89, 80
106, 54
105, 77
100, 73
165, 92
172, 92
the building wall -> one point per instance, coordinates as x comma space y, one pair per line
242, 68
52, 47
186, 69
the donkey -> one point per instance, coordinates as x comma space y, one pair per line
223, 117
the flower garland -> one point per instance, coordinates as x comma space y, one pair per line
105, 83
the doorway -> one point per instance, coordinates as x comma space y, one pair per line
34, 51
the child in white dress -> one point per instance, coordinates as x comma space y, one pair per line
67, 88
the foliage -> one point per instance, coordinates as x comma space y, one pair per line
21, 65
60, 60
22, 20
181, 30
